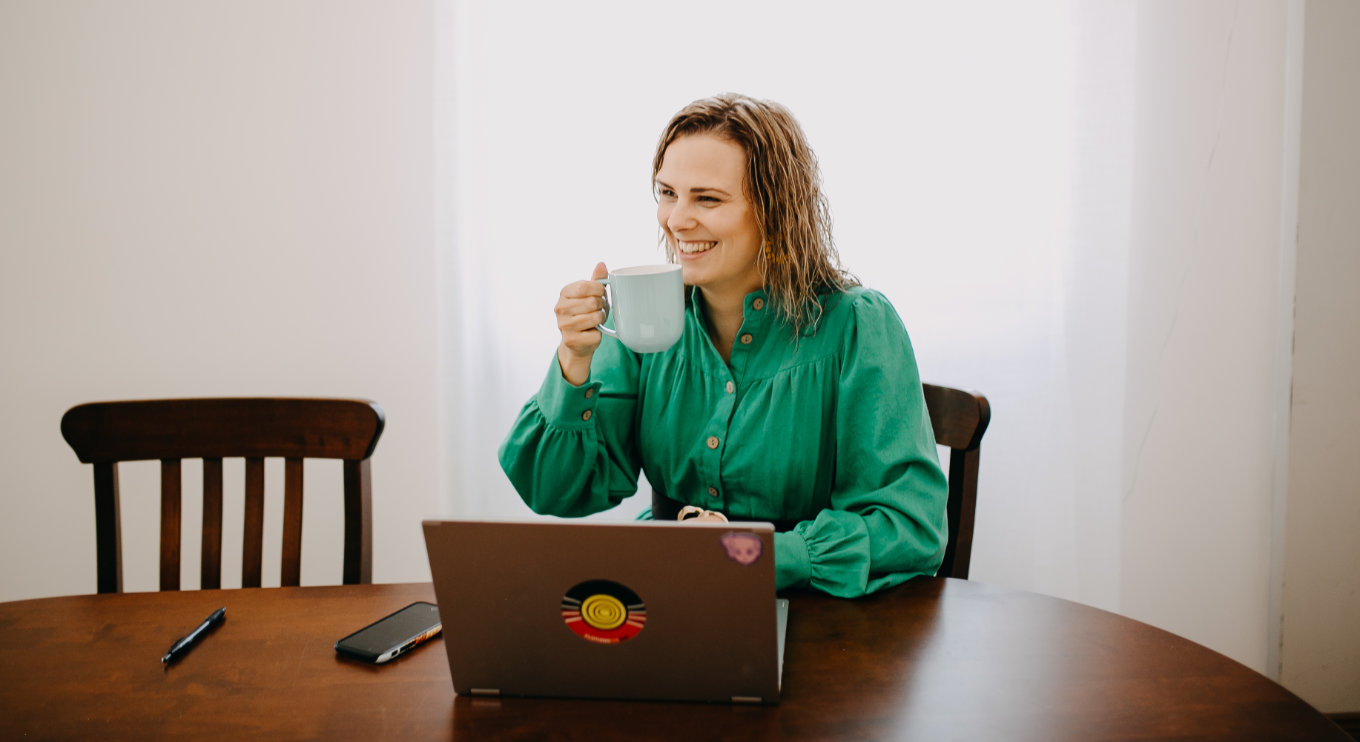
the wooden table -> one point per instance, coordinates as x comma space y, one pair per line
935, 659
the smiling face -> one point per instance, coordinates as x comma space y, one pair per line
703, 209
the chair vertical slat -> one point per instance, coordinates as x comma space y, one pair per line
252, 546
291, 563
952, 512
108, 532
358, 568
963, 468
210, 573
171, 507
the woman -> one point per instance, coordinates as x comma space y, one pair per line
792, 397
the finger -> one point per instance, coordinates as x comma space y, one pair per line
580, 289
584, 305
600, 272
580, 322
582, 342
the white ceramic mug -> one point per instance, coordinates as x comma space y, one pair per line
648, 306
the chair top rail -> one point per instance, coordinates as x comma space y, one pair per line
965, 416
224, 427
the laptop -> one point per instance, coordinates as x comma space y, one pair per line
647, 610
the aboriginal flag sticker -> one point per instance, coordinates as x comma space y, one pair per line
603, 612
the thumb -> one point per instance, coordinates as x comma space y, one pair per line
600, 272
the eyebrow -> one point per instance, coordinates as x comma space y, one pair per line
699, 190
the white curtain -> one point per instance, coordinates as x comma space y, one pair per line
982, 161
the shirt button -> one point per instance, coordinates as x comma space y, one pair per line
590, 393
585, 415
758, 304
713, 441
731, 387
746, 339
713, 491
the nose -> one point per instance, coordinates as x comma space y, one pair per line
678, 216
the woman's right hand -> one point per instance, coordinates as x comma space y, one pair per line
580, 307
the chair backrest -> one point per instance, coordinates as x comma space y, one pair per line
105, 433
959, 419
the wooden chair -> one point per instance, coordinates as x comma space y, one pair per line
105, 433
959, 418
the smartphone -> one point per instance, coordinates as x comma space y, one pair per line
392, 635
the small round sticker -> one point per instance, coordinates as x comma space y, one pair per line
603, 612
743, 547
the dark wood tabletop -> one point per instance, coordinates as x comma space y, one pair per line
934, 659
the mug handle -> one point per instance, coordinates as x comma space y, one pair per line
601, 327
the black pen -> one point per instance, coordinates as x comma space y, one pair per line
182, 646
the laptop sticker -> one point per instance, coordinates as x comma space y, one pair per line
603, 612
743, 547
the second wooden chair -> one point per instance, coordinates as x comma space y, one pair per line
959, 419
106, 433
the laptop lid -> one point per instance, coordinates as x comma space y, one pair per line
645, 610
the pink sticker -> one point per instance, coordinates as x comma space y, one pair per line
743, 547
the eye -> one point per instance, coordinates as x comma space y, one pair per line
664, 192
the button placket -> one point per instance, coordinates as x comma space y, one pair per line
729, 398
753, 322
724, 400
711, 493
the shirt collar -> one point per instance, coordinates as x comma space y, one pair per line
763, 318
752, 318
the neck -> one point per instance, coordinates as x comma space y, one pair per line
724, 313
724, 304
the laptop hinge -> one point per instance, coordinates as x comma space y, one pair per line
484, 691
746, 699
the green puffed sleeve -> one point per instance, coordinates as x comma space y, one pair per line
570, 451
886, 519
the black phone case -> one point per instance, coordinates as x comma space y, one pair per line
392, 635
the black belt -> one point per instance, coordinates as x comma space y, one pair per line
664, 508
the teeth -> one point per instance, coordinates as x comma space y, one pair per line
691, 248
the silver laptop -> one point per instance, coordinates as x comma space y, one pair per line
646, 610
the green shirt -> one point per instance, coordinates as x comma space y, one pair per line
828, 429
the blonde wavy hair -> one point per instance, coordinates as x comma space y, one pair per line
798, 260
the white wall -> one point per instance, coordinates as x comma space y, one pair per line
1321, 638
1199, 439
213, 198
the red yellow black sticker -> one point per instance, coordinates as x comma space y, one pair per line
603, 612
